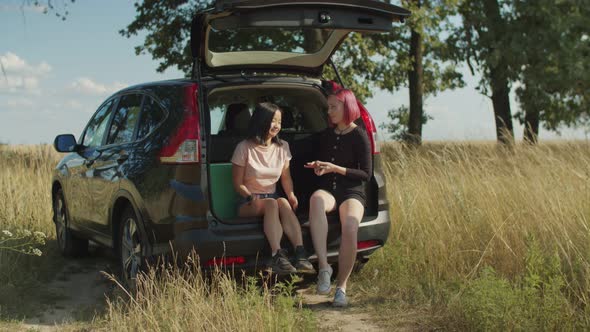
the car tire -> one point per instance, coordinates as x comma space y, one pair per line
131, 245
69, 244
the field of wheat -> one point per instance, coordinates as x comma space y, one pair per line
483, 238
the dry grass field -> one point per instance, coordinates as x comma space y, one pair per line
483, 238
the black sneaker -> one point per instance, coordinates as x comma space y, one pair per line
302, 264
280, 264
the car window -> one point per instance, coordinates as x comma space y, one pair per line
125, 119
97, 126
151, 117
293, 40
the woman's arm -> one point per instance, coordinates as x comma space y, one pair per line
287, 183
238, 180
362, 150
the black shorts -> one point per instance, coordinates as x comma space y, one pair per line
342, 195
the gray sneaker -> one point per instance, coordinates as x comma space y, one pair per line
324, 282
340, 298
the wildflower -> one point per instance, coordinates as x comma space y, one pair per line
7, 233
27, 233
36, 252
40, 235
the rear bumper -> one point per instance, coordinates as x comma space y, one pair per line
248, 241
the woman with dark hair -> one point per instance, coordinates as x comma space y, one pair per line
258, 163
346, 163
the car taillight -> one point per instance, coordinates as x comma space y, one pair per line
183, 147
367, 244
371, 128
225, 261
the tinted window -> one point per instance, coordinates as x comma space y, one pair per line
97, 126
293, 40
151, 116
125, 119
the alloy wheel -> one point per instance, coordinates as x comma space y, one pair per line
60, 223
130, 250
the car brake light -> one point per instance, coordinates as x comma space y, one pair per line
371, 128
232, 260
367, 244
183, 147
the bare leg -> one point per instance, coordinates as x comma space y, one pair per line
290, 222
320, 203
351, 213
269, 208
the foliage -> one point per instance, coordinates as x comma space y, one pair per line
535, 301
432, 19
554, 74
58, 7
398, 125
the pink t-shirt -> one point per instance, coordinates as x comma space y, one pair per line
264, 164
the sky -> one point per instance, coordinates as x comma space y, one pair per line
58, 72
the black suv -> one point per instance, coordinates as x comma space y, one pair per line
151, 172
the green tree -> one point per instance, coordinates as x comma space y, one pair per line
555, 71
539, 46
418, 55
485, 42
398, 124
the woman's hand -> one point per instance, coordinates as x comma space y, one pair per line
293, 201
322, 167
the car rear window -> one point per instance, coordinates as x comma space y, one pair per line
291, 40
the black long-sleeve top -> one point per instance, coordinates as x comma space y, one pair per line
352, 151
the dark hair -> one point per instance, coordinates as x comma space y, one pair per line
261, 121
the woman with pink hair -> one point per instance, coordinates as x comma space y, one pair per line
345, 165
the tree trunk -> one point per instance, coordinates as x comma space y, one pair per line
501, 103
531, 126
499, 76
416, 76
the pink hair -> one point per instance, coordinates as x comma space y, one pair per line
351, 108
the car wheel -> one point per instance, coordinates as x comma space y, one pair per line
69, 244
131, 245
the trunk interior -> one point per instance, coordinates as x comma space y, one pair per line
303, 116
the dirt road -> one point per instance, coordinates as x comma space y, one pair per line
83, 289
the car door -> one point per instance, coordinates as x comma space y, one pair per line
77, 193
282, 35
104, 175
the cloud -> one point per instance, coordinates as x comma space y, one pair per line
20, 76
87, 86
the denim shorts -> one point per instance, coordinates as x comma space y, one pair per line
243, 200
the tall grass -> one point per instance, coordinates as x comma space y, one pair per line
187, 300
483, 238
25, 206
480, 230
25, 182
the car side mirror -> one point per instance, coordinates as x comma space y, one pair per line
65, 143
